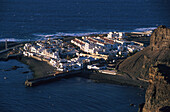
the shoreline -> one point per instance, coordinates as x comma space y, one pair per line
41, 69
114, 79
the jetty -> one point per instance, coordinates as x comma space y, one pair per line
50, 78
11, 48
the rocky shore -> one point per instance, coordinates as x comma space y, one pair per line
158, 93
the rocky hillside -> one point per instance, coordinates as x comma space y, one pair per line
153, 64
157, 98
137, 66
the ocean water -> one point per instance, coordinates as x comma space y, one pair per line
67, 95
31, 19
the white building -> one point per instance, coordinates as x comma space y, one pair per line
53, 62
65, 65
117, 35
27, 46
96, 67
78, 43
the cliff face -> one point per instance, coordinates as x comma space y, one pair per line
160, 38
137, 66
157, 98
153, 63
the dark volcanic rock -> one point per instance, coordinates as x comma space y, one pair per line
141, 107
25, 72
15, 67
157, 98
165, 109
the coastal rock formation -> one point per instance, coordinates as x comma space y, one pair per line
157, 97
153, 64
160, 38
137, 66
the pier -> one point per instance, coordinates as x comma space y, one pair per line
50, 78
8, 49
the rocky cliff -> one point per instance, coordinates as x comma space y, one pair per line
157, 97
137, 66
160, 38
153, 64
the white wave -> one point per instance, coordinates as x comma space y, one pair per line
13, 40
78, 34
60, 34
44, 35
145, 29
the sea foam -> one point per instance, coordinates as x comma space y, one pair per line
145, 29
13, 40
59, 34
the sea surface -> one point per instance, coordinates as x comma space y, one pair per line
32, 19
67, 95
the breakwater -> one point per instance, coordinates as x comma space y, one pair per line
50, 78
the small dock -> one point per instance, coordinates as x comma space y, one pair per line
51, 78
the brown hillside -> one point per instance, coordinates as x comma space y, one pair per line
137, 66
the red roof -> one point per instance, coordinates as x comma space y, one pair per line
102, 42
78, 41
108, 40
92, 40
